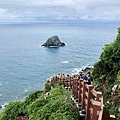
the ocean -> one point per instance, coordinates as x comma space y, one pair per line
25, 65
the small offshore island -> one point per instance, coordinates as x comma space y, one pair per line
53, 41
57, 105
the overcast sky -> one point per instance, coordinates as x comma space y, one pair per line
15, 10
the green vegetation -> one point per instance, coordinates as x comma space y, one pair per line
54, 104
106, 74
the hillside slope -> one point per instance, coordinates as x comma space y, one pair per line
106, 74
56, 105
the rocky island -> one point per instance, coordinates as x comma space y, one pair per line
53, 41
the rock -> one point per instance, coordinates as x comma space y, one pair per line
53, 41
86, 69
114, 89
119, 109
108, 102
0, 106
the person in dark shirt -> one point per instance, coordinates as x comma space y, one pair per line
88, 78
80, 76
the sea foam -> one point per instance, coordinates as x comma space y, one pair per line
65, 62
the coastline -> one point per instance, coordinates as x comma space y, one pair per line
82, 70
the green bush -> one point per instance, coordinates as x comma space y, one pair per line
109, 63
12, 110
106, 72
37, 106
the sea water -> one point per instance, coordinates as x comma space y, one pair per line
25, 65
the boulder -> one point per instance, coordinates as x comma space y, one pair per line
86, 69
0, 106
114, 89
53, 41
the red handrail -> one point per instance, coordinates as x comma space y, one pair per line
90, 100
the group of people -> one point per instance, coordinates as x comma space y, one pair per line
88, 78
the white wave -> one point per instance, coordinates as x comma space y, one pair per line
16, 98
0, 84
65, 44
41, 46
3, 106
26, 90
49, 46
77, 70
65, 62
52, 46
0, 95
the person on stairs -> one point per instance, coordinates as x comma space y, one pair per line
88, 78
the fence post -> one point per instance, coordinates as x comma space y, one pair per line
83, 94
76, 89
99, 96
73, 88
79, 91
75, 81
88, 101
96, 106
70, 83
66, 80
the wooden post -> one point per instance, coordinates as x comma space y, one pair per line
67, 81
70, 82
89, 97
96, 109
75, 93
73, 88
76, 88
99, 96
79, 91
83, 94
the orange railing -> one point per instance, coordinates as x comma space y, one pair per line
88, 101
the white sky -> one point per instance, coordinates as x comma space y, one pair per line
59, 9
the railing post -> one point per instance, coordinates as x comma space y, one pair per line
75, 92
70, 82
96, 106
79, 91
67, 81
99, 96
88, 104
76, 89
83, 94
73, 88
